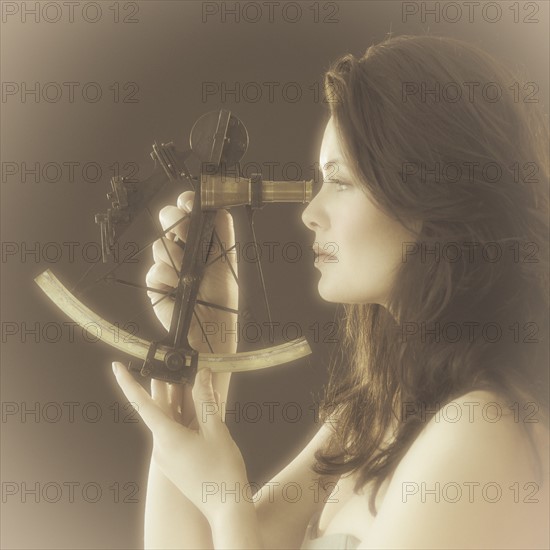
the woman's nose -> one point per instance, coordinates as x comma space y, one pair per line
311, 216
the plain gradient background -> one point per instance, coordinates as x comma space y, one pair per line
169, 52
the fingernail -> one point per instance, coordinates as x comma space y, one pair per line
115, 367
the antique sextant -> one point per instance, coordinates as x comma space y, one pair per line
219, 140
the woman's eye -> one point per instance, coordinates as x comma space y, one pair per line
340, 185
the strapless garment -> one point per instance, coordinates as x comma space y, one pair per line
334, 541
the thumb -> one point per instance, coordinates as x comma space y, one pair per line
207, 407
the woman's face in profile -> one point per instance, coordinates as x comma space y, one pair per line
363, 244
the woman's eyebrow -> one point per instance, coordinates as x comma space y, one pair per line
330, 163
333, 161
333, 169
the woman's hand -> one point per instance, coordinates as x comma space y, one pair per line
217, 286
201, 463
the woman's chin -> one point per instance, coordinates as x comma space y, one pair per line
331, 292
340, 293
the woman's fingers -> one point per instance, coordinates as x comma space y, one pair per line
153, 280
206, 405
176, 401
160, 395
224, 220
163, 305
170, 215
168, 252
182, 402
161, 275
169, 397
153, 416
178, 220
225, 229
166, 432
159, 390
185, 201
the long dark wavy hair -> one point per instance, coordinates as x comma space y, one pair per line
474, 317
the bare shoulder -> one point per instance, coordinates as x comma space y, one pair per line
473, 478
482, 426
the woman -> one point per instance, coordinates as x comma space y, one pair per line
434, 431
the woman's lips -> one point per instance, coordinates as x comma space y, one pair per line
322, 254
325, 257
